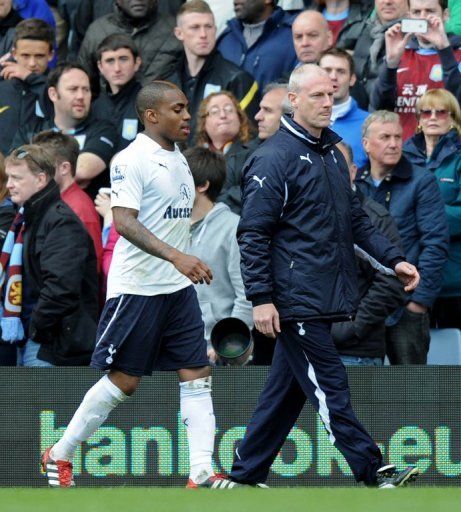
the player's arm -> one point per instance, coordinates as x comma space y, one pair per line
127, 225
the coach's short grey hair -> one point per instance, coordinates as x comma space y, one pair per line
298, 76
272, 86
380, 116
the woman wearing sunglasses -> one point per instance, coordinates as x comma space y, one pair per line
436, 146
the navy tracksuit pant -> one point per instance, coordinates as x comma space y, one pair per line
305, 365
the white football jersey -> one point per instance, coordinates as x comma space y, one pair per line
158, 183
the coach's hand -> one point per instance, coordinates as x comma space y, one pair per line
408, 275
266, 319
192, 267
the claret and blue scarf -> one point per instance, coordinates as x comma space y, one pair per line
11, 281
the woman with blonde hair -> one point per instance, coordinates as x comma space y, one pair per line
436, 146
223, 127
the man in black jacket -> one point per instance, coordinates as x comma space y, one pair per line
118, 62
202, 69
363, 341
23, 80
59, 306
300, 220
69, 91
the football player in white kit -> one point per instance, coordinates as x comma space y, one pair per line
151, 319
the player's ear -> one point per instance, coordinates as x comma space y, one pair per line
151, 116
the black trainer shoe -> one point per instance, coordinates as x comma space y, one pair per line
389, 478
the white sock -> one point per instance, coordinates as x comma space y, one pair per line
198, 416
91, 414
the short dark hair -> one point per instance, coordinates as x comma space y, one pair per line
37, 159
61, 147
34, 29
115, 42
151, 94
56, 74
341, 54
206, 165
443, 4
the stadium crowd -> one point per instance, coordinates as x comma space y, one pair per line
70, 73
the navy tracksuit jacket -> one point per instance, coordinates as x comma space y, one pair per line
300, 220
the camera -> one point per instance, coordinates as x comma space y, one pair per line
414, 26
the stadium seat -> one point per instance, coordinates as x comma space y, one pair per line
445, 347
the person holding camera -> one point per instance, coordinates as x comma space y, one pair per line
413, 65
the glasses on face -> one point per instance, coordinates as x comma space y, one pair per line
215, 111
440, 113
23, 154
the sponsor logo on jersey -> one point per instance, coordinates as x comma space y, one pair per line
177, 213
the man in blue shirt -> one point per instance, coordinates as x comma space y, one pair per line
347, 118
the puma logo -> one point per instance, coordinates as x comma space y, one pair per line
301, 331
259, 180
307, 157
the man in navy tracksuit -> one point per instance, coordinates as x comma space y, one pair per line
300, 221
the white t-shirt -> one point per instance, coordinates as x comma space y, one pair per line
159, 184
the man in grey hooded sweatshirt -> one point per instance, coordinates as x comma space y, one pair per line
213, 239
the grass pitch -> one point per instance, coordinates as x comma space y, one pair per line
147, 499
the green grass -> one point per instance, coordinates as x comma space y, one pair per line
143, 499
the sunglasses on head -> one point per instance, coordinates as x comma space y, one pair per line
440, 113
24, 154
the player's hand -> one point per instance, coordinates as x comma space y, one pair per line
266, 319
13, 70
396, 41
408, 275
192, 267
436, 34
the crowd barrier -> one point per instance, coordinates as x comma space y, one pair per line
414, 413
